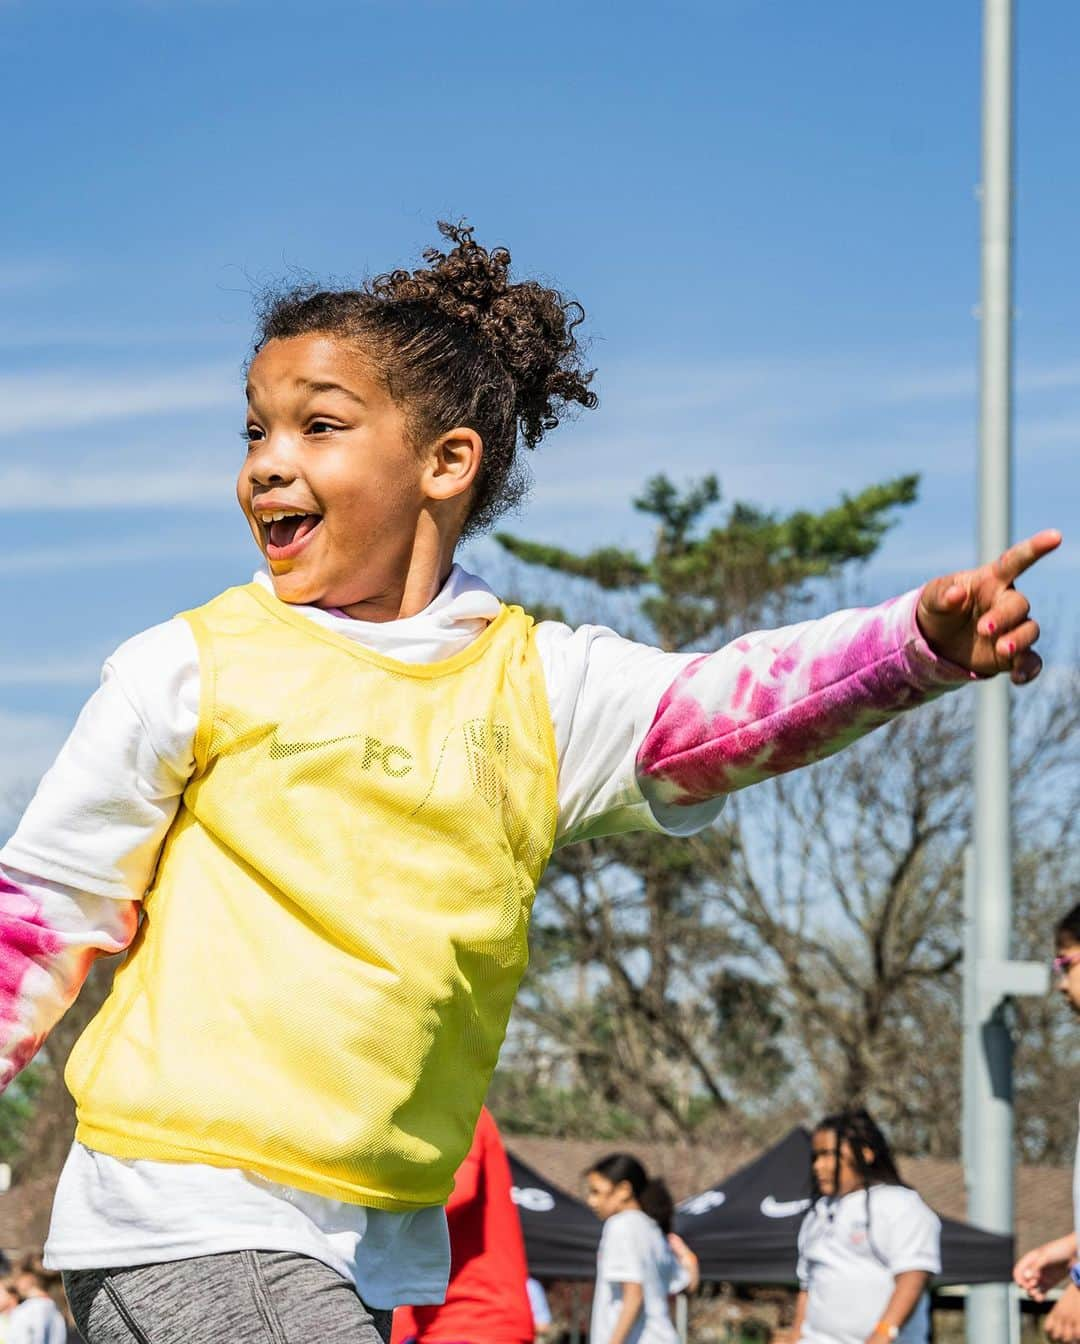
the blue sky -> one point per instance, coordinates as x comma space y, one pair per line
767, 207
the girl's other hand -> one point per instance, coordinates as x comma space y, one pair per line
1063, 1323
1040, 1269
688, 1261
978, 620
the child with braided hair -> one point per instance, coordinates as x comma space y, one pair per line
314, 811
868, 1244
1042, 1268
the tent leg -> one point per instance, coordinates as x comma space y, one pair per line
682, 1316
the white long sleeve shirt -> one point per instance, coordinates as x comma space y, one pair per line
645, 740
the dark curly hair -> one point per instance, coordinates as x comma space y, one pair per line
457, 344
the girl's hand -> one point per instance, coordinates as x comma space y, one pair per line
1042, 1268
978, 620
688, 1261
1063, 1323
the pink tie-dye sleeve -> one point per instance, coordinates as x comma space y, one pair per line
50, 936
779, 699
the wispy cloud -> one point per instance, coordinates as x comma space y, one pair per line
792, 390
38, 336
77, 558
1049, 431
79, 670
59, 400
60, 490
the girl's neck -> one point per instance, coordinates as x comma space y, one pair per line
419, 581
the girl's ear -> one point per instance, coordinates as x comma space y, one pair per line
868, 1156
454, 461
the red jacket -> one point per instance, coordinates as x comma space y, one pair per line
486, 1299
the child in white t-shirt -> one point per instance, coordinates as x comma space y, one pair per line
868, 1246
637, 1270
1040, 1269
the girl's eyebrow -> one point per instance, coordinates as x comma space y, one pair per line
330, 387
308, 385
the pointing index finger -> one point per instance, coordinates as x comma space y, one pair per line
1011, 563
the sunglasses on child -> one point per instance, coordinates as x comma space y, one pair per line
1062, 965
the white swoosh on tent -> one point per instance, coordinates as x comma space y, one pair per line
777, 1208
529, 1197
711, 1199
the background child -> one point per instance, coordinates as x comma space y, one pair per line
36, 1319
316, 810
637, 1271
9, 1300
868, 1246
1040, 1269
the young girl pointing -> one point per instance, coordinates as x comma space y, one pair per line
316, 809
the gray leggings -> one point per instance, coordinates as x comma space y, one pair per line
243, 1297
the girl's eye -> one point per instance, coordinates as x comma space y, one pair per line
321, 427
252, 433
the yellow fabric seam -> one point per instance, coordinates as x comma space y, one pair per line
205, 729
421, 671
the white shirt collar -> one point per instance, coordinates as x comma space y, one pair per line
459, 612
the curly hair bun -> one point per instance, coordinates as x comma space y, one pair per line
528, 328
458, 344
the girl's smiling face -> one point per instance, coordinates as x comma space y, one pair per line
335, 493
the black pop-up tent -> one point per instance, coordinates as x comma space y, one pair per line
561, 1233
745, 1228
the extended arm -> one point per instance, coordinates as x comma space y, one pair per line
776, 700
78, 864
50, 936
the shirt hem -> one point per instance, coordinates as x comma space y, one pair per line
119, 1257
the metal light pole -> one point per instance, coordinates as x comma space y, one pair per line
991, 978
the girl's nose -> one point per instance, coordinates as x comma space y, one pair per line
272, 462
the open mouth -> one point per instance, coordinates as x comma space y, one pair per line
286, 534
